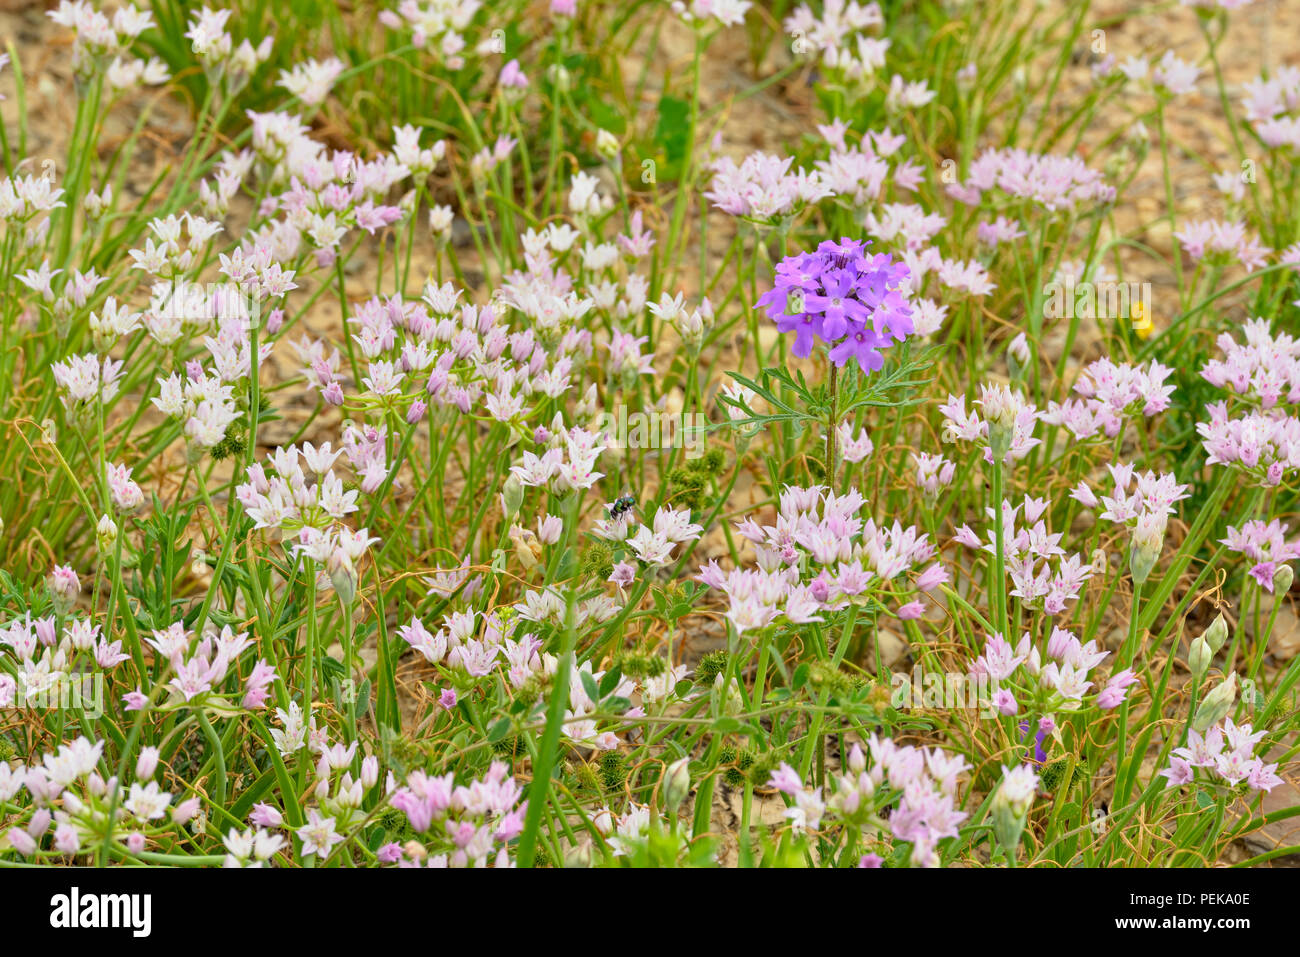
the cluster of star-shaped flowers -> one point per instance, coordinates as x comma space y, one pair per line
548, 605
915, 787
70, 801
840, 295
1047, 180
857, 173
711, 14
205, 401
459, 645
820, 555
1054, 678
1171, 76
437, 26
202, 667
163, 254
1109, 393
842, 36
1227, 753
1265, 544
25, 197
568, 462
1265, 445
311, 80
1222, 242
308, 505
322, 196
49, 657
104, 43
933, 474
460, 825
336, 796
1146, 511
1007, 423
86, 384
441, 353
652, 544
1272, 107
1264, 370
1043, 576
1152, 493
763, 189
565, 280
224, 62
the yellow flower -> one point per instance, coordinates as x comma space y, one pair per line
1142, 324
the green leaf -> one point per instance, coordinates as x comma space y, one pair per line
672, 132
589, 686
610, 681
498, 731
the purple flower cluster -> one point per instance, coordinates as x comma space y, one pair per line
846, 298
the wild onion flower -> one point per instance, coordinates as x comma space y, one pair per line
1050, 678
1265, 370
821, 556
1110, 393
310, 81
1226, 752
845, 298
1047, 586
1265, 544
1263, 445
841, 36
711, 14
763, 190
907, 791
1006, 429
1222, 242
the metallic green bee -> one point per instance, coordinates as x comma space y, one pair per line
621, 506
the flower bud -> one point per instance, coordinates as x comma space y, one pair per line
577, 857
512, 495
105, 535
607, 144
1011, 805
186, 810
64, 588
21, 842
1216, 634
370, 772
1217, 704
1282, 579
560, 76
676, 784
1198, 658
343, 575
146, 764
1018, 355
1147, 543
